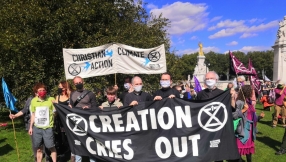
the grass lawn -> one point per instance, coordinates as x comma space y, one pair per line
267, 142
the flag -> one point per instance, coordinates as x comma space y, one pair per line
237, 68
8, 96
254, 80
198, 87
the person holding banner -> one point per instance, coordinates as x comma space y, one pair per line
166, 90
62, 146
81, 97
111, 99
211, 91
84, 99
42, 121
127, 86
132, 99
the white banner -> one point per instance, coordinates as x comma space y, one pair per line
113, 58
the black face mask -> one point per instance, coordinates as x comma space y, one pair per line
79, 86
60, 90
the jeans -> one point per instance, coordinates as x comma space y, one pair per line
78, 159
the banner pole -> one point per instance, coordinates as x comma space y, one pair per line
15, 138
115, 79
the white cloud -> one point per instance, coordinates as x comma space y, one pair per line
233, 43
194, 37
208, 49
227, 23
252, 20
180, 41
216, 18
255, 20
243, 29
246, 35
187, 51
205, 50
151, 6
227, 52
254, 48
184, 17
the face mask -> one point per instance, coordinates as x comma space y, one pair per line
241, 83
60, 90
42, 94
279, 86
165, 83
137, 88
210, 83
79, 86
126, 86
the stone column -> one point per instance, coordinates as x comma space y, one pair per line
279, 62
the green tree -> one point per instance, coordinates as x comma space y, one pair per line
33, 33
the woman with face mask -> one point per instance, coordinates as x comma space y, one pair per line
64, 91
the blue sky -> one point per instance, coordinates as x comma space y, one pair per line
221, 25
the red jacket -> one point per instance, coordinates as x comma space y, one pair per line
265, 102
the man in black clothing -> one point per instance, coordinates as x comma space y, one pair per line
133, 98
84, 99
166, 90
211, 91
127, 88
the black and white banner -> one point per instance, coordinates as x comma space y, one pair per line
113, 58
170, 129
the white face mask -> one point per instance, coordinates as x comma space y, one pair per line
137, 88
210, 83
165, 83
126, 86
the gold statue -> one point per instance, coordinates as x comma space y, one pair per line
201, 53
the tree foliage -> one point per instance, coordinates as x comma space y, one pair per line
34, 32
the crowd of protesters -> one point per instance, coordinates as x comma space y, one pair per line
43, 122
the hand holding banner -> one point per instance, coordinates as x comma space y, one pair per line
166, 130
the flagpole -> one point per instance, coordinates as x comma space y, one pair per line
15, 138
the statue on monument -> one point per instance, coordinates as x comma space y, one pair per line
201, 53
282, 28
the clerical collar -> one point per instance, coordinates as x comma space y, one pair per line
210, 90
165, 89
137, 93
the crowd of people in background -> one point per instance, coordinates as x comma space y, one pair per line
54, 146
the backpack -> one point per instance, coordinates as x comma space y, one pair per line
271, 97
